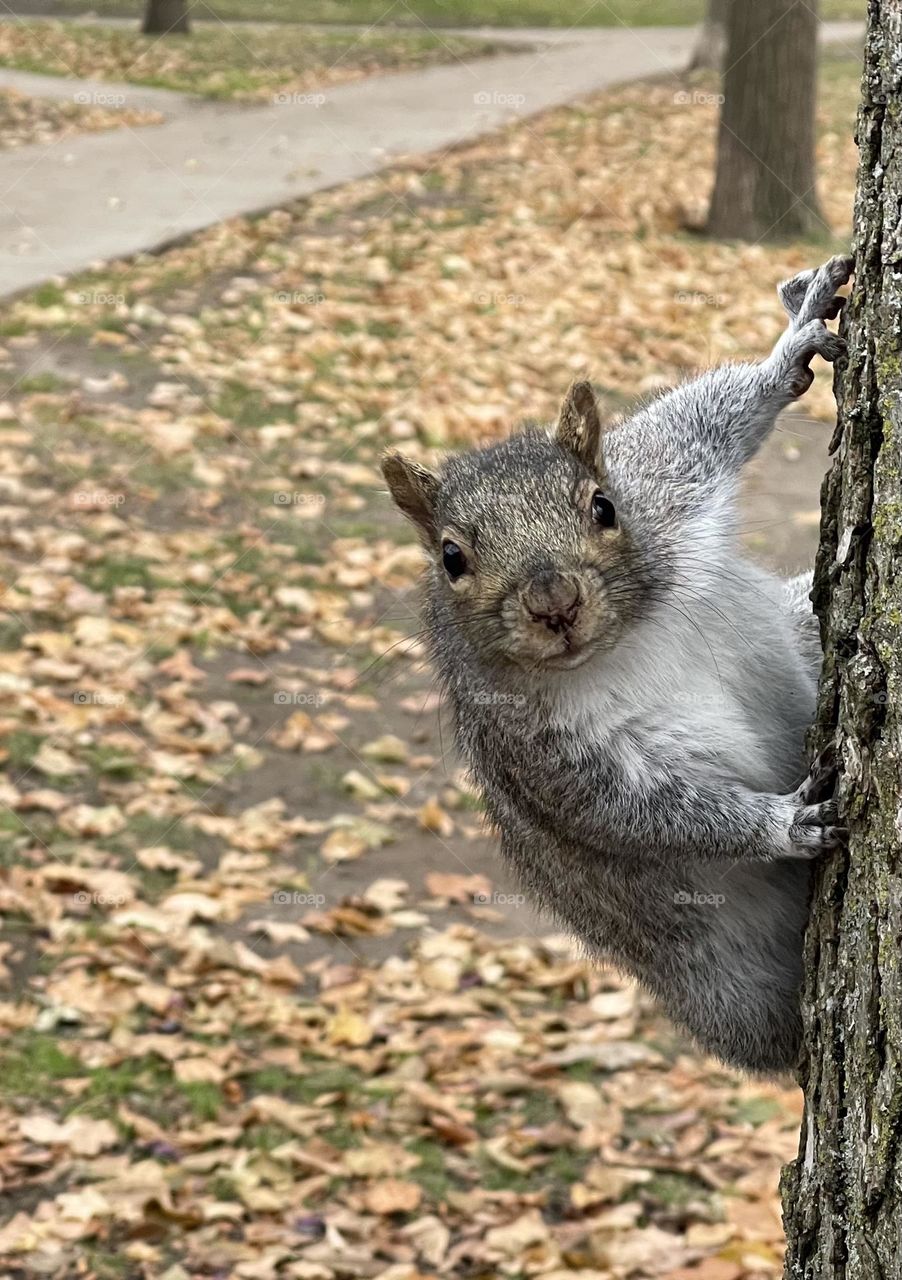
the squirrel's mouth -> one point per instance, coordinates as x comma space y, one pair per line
567, 659
571, 652
556, 624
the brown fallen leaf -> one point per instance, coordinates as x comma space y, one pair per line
249, 675
83, 1135
458, 888
393, 1195
198, 1071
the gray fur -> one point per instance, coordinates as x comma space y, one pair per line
646, 766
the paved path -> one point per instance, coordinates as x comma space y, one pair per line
136, 97
70, 204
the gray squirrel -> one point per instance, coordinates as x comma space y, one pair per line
632, 694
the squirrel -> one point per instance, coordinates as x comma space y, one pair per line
632, 694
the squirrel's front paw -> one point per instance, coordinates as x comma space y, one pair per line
815, 830
811, 295
810, 820
810, 299
809, 817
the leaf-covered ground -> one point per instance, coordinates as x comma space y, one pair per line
25, 120
271, 1008
222, 62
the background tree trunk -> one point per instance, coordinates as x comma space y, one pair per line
710, 50
166, 17
843, 1195
765, 184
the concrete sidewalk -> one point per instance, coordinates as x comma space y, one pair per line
101, 93
70, 204
67, 205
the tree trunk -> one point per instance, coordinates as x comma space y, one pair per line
166, 17
710, 49
843, 1195
765, 183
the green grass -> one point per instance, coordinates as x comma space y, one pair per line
106, 1265
224, 63
41, 383
438, 13
21, 747
675, 1190
111, 762
31, 1066
106, 575
246, 407
754, 1111
325, 1077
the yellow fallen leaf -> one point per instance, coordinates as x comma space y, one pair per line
389, 749
380, 1159
342, 846
347, 1027
432, 817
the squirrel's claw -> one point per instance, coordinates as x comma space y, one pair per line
810, 299
815, 831
813, 815
814, 339
811, 295
821, 781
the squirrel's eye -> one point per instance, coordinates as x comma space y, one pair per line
603, 512
453, 559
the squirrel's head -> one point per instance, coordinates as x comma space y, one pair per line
525, 542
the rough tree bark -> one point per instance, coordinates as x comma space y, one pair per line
166, 17
765, 183
710, 49
843, 1195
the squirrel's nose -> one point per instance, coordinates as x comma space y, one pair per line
552, 598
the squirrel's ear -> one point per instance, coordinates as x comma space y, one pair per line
414, 489
579, 426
